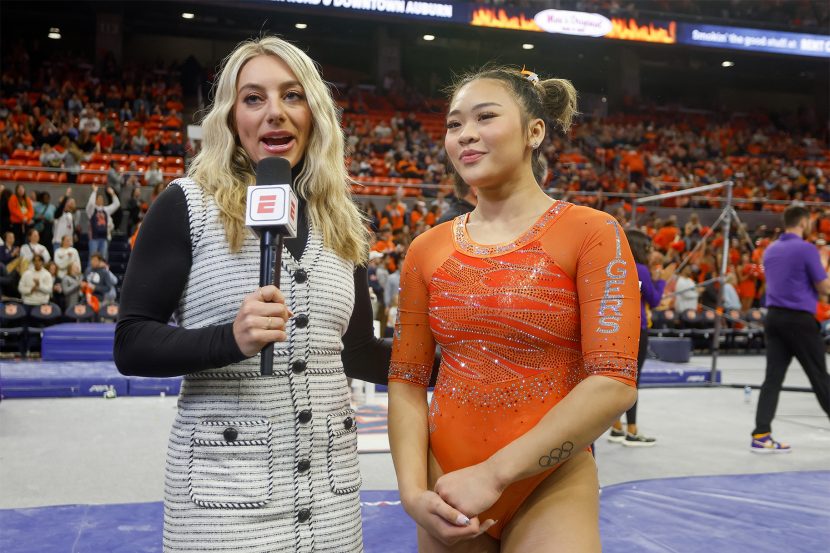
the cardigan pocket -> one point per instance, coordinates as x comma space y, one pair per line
342, 460
231, 464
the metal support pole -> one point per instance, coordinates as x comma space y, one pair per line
727, 221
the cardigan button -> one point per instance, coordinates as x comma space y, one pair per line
300, 276
302, 320
230, 434
303, 515
304, 416
298, 367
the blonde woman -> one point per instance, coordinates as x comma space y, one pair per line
257, 463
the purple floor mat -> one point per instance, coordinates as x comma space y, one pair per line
757, 513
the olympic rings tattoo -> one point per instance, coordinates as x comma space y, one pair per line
557, 455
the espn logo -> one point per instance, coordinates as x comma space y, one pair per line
272, 206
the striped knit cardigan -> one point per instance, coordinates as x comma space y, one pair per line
264, 464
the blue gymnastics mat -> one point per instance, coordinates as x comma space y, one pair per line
660, 373
759, 513
22, 379
78, 342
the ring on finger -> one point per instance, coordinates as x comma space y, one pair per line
268, 324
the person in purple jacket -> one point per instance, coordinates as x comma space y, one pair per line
651, 291
795, 277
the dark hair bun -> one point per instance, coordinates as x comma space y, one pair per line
559, 101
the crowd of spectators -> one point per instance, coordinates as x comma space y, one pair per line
125, 129
620, 156
64, 117
39, 261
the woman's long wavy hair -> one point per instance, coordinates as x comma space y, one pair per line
224, 169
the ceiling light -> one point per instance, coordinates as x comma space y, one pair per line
727, 63
301, 25
527, 46
429, 37
54, 33
188, 15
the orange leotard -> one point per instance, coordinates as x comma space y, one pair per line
519, 324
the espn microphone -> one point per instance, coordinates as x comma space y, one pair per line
272, 213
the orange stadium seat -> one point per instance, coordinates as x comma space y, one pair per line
47, 176
99, 157
5, 174
24, 176
173, 163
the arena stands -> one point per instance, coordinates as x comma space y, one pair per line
78, 124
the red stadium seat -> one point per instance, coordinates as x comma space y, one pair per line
86, 178
24, 176
5, 174
99, 157
47, 176
33, 163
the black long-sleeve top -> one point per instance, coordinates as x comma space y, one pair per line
145, 345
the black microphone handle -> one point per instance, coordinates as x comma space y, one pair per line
270, 257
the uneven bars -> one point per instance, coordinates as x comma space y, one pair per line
684, 192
